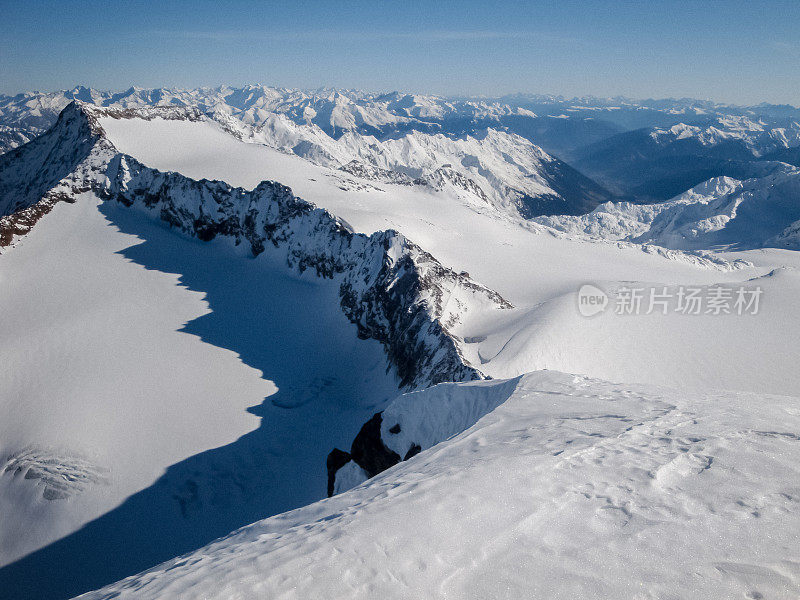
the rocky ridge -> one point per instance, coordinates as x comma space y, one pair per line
390, 288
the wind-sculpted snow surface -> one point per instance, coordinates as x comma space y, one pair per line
103, 295
412, 423
272, 289
568, 488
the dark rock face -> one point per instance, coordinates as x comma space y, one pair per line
391, 311
336, 460
368, 450
32, 170
21, 222
413, 451
389, 287
445, 175
59, 164
369, 171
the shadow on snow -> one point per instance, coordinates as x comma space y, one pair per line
329, 383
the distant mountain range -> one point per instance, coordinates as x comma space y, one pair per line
537, 154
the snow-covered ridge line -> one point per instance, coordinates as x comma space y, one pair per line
754, 133
494, 166
49, 169
391, 289
485, 159
19, 223
27, 173
394, 291
569, 487
47, 163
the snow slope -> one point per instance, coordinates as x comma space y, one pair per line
535, 269
85, 350
135, 367
570, 488
501, 168
271, 278
293, 315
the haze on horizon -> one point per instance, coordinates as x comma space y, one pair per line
733, 51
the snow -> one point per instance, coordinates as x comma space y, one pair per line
433, 415
707, 351
535, 270
81, 333
127, 351
444, 225
332, 111
163, 391
570, 488
503, 166
718, 213
756, 135
348, 477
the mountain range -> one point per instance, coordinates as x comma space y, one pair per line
330, 344
640, 151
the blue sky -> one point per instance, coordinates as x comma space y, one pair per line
732, 51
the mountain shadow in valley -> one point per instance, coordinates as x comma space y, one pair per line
329, 382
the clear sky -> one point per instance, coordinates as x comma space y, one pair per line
731, 51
